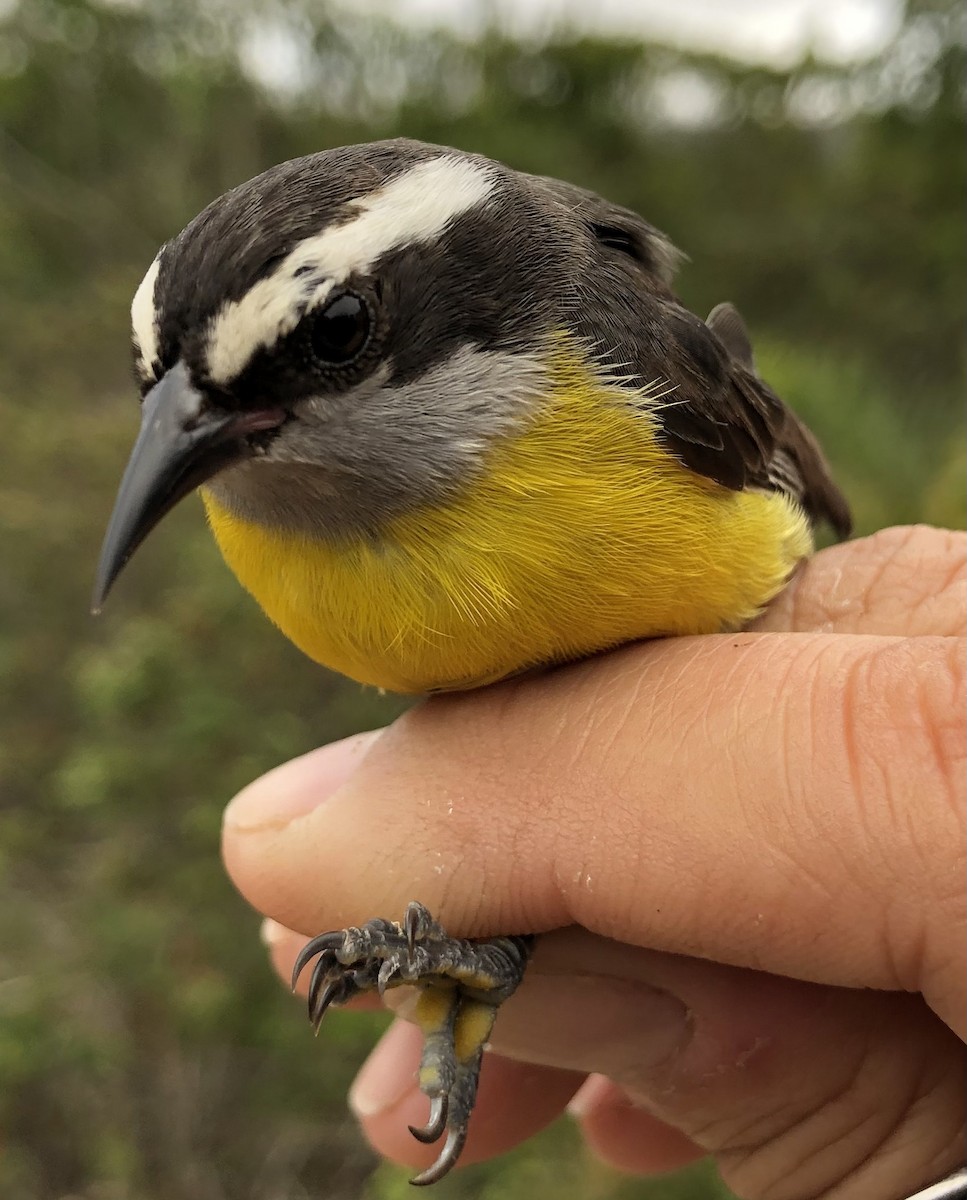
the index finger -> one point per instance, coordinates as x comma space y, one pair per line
737, 798
909, 580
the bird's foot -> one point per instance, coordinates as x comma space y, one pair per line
461, 983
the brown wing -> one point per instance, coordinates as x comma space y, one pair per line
717, 416
725, 423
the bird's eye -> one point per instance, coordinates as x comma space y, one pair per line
340, 331
618, 239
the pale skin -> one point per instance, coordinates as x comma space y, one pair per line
750, 851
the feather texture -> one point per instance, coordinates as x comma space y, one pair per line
582, 533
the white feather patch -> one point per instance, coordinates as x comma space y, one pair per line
415, 207
144, 318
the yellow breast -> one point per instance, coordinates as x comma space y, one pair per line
582, 533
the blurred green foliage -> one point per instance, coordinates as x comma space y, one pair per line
145, 1050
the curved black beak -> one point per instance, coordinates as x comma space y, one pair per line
183, 441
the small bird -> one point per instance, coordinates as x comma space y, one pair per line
450, 423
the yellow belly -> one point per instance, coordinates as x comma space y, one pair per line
582, 534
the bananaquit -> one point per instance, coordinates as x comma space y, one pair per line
449, 422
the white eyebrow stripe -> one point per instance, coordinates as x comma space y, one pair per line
144, 317
417, 206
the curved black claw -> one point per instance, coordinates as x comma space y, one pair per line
329, 993
414, 920
325, 941
432, 1131
447, 1159
325, 963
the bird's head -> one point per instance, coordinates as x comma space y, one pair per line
341, 339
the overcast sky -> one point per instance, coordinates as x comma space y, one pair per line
766, 31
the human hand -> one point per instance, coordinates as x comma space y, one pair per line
750, 849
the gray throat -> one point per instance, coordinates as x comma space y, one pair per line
349, 463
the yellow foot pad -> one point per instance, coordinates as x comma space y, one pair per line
462, 983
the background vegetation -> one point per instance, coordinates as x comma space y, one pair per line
145, 1051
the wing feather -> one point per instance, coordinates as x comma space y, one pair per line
723, 421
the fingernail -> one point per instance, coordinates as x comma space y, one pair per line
402, 1002
595, 1092
272, 933
299, 786
388, 1076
